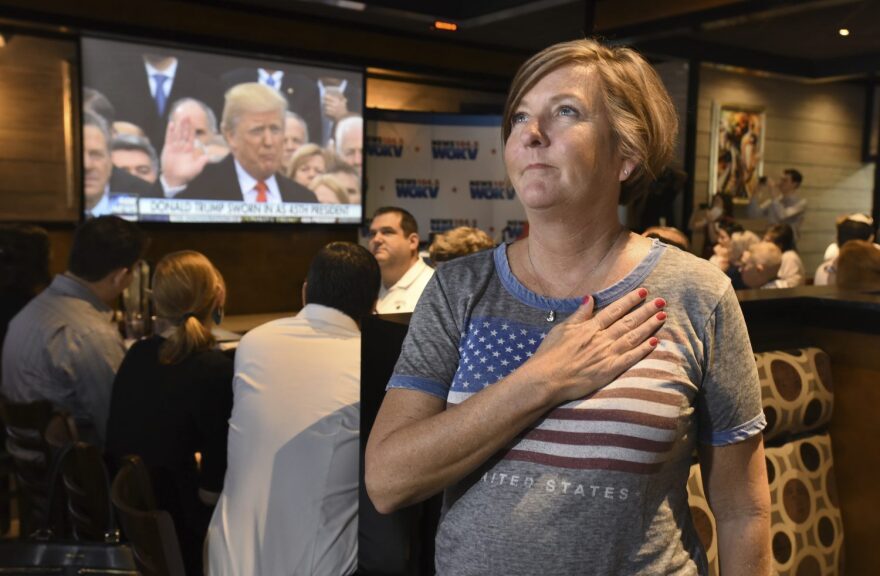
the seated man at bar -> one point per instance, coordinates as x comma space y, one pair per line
394, 241
63, 346
290, 497
253, 126
760, 267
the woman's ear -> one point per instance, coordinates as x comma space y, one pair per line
121, 278
220, 297
626, 169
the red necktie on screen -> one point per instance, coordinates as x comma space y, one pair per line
261, 189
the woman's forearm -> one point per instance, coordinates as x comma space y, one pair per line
744, 545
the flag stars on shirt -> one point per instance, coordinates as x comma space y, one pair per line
492, 351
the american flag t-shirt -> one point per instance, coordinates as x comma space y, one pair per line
629, 425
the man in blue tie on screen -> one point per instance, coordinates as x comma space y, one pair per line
253, 126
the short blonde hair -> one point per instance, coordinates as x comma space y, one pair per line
302, 155
639, 109
457, 242
250, 97
333, 184
186, 290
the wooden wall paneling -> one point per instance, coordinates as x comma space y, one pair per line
37, 180
263, 269
398, 95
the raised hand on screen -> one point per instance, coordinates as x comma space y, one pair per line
182, 157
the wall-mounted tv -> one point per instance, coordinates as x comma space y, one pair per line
175, 135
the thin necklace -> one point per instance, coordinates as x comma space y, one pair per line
551, 314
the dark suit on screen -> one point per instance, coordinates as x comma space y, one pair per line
124, 81
220, 182
121, 182
300, 90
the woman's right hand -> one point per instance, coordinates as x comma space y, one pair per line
587, 352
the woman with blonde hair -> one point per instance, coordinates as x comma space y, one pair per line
555, 388
172, 398
308, 162
328, 189
459, 242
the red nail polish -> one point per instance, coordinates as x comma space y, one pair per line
586, 299
659, 302
653, 341
642, 292
661, 316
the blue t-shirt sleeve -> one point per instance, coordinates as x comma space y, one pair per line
729, 404
430, 354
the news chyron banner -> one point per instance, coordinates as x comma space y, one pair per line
446, 169
177, 210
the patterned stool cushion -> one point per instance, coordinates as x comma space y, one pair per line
796, 391
806, 525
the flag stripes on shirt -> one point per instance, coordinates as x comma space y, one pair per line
630, 425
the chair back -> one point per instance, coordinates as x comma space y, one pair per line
150, 531
88, 494
35, 432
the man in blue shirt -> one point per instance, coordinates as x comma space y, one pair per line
63, 346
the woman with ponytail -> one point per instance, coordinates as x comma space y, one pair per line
172, 398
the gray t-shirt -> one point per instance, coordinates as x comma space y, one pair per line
597, 485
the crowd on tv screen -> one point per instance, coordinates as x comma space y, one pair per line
168, 124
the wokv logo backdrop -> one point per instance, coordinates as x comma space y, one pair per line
446, 169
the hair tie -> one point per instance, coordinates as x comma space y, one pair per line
187, 316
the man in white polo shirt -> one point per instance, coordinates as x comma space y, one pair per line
394, 241
290, 497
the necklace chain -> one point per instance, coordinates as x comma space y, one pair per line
551, 314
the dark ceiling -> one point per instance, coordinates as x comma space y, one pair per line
794, 37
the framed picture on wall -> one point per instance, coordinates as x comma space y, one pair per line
736, 159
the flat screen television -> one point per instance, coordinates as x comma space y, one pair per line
175, 135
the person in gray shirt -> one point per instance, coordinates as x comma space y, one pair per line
556, 388
63, 346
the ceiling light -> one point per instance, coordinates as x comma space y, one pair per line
2, 40
447, 26
843, 31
